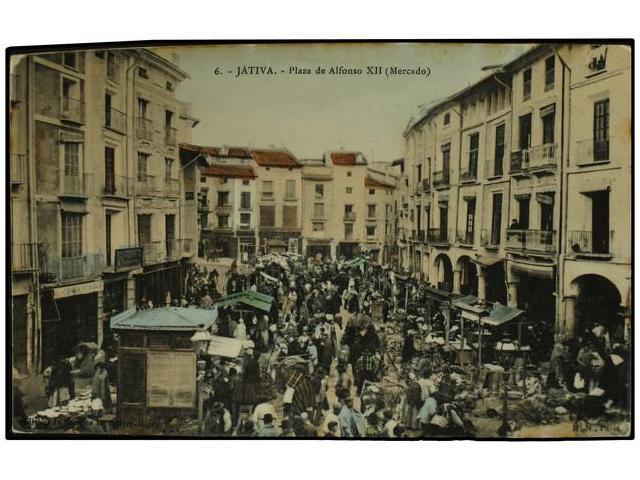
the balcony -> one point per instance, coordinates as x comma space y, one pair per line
152, 252
173, 248
144, 129
60, 269
426, 186
115, 120
535, 241
438, 236
587, 243
519, 164
267, 196
464, 237
171, 187
72, 109
116, 186
113, 70
592, 151
349, 216
170, 136
422, 236
18, 168
469, 176
23, 257
542, 158
490, 238
441, 179
146, 185
76, 185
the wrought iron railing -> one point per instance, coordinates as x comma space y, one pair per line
441, 178
490, 238
76, 185
437, 235
72, 109
58, 269
18, 168
585, 241
115, 120
593, 150
23, 257
152, 252
464, 237
170, 136
146, 184
144, 128
117, 185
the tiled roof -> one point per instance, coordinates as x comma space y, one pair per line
229, 171
371, 182
339, 158
164, 318
238, 152
200, 149
275, 158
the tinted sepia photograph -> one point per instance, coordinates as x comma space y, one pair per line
397, 240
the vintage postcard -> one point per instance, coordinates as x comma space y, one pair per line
339, 240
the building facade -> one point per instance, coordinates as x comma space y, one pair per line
509, 186
94, 138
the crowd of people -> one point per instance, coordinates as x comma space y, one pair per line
315, 360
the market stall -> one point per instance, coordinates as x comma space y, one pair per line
157, 361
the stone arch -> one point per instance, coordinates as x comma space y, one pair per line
467, 273
596, 299
442, 272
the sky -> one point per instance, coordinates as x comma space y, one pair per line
312, 114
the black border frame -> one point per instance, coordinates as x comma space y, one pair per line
33, 49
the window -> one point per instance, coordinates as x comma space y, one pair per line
245, 200
498, 156
524, 139
447, 118
168, 119
419, 168
523, 213
290, 190
107, 110
471, 217
203, 179
170, 379
143, 73
245, 182
144, 229
474, 140
496, 219
290, 217
109, 170
143, 108
267, 189
371, 231
546, 211
371, 211
348, 231
446, 158
526, 84
372, 191
168, 168
548, 127
349, 173
223, 221
267, 216
549, 72
318, 226
601, 130
224, 180
72, 159
71, 234
70, 60
319, 191
170, 86
143, 160
318, 210
349, 190
112, 67
245, 220
223, 199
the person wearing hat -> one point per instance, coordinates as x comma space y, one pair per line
267, 429
217, 419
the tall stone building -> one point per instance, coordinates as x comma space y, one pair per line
96, 193
511, 183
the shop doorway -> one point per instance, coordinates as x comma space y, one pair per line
444, 273
468, 276
598, 301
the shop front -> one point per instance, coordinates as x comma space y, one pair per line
318, 247
348, 250
157, 281
70, 315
